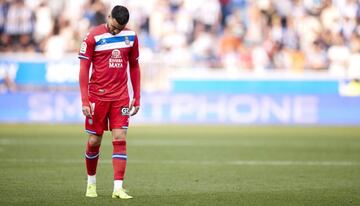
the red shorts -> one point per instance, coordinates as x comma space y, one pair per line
107, 113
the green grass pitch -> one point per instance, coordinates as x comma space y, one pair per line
185, 165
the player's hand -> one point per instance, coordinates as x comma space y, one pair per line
87, 111
133, 109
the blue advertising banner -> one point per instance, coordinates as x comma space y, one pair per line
263, 86
41, 72
190, 108
201, 100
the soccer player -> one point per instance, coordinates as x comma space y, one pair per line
109, 48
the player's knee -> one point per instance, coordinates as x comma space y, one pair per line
94, 140
121, 135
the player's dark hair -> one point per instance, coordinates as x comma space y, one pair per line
120, 14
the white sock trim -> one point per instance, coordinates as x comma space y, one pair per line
118, 184
91, 179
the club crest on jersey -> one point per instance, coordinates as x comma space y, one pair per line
127, 40
90, 121
124, 111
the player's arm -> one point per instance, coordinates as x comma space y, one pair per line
135, 77
84, 86
85, 56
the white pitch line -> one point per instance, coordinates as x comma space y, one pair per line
174, 143
294, 163
188, 162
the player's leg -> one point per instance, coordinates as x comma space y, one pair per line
119, 159
95, 127
119, 120
91, 159
119, 156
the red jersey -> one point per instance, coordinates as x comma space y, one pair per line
110, 55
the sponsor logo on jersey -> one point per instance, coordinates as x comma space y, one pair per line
83, 48
115, 54
115, 61
124, 111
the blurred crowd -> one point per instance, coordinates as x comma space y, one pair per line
249, 35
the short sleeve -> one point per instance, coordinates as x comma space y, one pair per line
87, 47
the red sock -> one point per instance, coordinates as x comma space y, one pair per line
91, 158
119, 159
